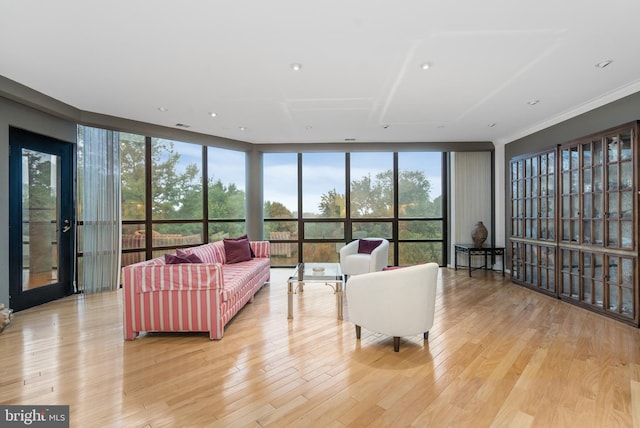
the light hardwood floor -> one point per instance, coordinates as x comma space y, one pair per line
498, 355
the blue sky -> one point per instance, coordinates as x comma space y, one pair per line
226, 165
325, 171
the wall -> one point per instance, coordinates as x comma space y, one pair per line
20, 116
254, 196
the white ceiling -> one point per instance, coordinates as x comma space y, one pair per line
361, 75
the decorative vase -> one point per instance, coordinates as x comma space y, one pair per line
479, 234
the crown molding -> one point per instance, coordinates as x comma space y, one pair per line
595, 103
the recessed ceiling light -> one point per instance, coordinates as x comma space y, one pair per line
242, 128
533, 102
213, 114
603, 64
163, 109
491, 125
296, 66
425, 66
385, 126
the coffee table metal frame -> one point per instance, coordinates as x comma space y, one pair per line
328, 274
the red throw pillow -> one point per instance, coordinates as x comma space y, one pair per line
237, 250
244, 237
171, 259
192, 258
366, 246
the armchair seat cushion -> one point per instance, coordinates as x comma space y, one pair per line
357, 263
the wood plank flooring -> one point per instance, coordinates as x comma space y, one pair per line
498, 355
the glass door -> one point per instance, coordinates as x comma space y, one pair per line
41, 219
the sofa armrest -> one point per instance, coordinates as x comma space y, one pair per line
262, 249
185, 276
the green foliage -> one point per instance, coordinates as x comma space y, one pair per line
132, 174
412, 253
42, 202
225, 201
332, 204
175, 195
373, 197
276, 210
413, 197
320, 252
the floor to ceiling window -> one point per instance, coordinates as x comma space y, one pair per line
280, 193
372, 197
226, 194
323, 205
166, 198
133, 189
177, 194
421, 216
397, 196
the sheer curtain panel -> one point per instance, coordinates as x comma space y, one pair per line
101, 209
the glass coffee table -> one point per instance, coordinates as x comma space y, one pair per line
321, 273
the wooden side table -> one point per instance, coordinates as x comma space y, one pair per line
471, 250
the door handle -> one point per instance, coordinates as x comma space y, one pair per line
66, 227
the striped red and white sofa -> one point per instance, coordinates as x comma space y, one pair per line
191, 296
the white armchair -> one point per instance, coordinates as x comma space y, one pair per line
398, 302
353, 263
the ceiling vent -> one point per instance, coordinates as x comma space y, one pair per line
183, 125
